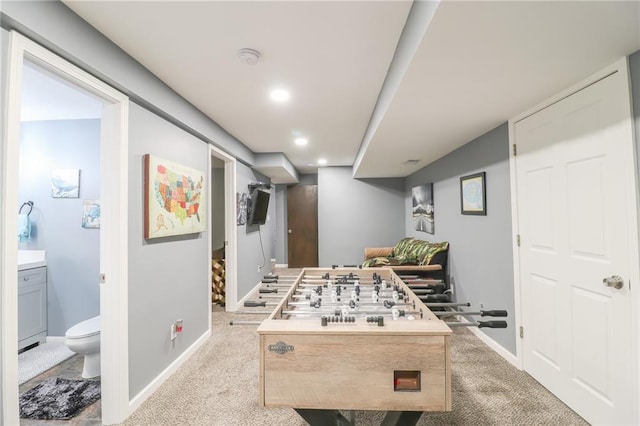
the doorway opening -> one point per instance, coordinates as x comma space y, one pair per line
113, 240
59, 179
223, 235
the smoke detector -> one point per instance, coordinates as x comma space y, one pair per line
248, 56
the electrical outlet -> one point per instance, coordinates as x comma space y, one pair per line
481, 305
174, 334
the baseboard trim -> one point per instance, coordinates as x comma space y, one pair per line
251, 292
145, 393
498, 348
55, 339
282, 265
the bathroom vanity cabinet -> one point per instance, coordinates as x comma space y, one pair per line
32, 306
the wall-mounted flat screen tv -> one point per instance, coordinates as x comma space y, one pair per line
259, 207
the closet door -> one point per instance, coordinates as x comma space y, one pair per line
575, 186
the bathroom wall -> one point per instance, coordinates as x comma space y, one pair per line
73, 252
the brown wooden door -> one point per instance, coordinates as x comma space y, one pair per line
302, 225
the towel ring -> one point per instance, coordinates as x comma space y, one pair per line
28, 203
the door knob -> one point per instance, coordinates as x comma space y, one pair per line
289, 230
614, 281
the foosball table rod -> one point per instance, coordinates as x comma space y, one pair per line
338, 312
446, 305
479, 324
493, 313
244, 322
254, 304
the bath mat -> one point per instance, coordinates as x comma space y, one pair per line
58, 399
35, 361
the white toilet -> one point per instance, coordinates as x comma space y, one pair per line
84, 339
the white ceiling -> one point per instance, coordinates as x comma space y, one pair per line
478, 64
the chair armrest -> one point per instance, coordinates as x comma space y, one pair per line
371, 252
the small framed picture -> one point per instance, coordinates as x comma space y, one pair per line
473, 194
91, 214
65, 183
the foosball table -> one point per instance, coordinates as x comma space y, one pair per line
354, 339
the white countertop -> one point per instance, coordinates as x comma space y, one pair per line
29, 259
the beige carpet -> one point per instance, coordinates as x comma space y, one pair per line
218, 386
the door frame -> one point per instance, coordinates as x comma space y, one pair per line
230, 231
113, 233
620, 66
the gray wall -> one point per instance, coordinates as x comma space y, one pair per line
280, 252
217, 206
354, 214
73, 252
481, 247
168, 277
634, 68
256, 244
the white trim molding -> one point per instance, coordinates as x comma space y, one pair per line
230, 229
497, 348
113, 234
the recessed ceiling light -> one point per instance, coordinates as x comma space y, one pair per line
279, 95
301, 141
322, 161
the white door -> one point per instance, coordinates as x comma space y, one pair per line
575, 174
113, 230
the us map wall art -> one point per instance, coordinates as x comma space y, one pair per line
174, 199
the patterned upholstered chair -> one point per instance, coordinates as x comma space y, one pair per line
411, 255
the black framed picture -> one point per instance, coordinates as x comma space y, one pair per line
473, 194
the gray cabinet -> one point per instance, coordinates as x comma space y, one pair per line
32, 306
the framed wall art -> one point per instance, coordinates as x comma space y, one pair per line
65, 183
473, 194
423, 211
241, 208
174, 199
91, 214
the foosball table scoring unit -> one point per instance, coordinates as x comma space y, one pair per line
354, 339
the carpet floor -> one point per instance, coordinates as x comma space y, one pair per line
218, 386
39, 359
